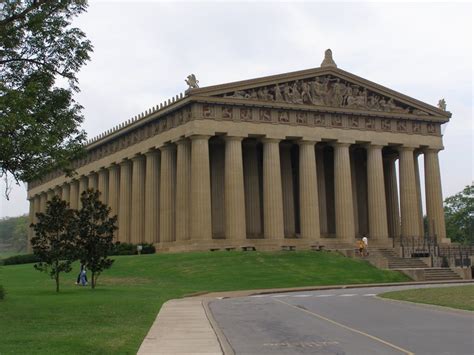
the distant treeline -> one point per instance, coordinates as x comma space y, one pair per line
14, 234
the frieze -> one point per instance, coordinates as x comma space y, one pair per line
264, 115
325, 90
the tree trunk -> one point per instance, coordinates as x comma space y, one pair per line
57, 281
93, 280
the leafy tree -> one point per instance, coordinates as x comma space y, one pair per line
459, 213
54, 239
95, 234
39, 119
14, 234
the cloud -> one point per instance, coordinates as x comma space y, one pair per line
143, 51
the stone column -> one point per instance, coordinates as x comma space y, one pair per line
352, 157
183, 188
37, 207
234, 195
377, 206
65, 193
434, 196
125, 201
253, 215
152, 197
137, 226
50, 195
113, 194
43, 200
321, 177
201, 220
103, 185
83, 180
92, 181
391, 195
167, 193
273, 227
74, 194
309, 206
217, 162
419, 202
408, 195
344, 205
287, 190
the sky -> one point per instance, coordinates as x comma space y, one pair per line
143, 51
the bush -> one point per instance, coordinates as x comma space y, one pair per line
2, 292
21, 259
131, 249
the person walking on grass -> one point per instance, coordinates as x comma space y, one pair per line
82, 277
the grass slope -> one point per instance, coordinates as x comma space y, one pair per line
461, 297
116, 316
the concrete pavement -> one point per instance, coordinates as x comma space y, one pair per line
181, 327
185, 326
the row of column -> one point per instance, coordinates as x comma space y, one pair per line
165, 194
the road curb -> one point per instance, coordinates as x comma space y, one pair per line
223, 341
233, 294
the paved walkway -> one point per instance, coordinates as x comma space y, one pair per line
183, 326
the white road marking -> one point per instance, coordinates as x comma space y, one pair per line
277, 296
324, 295
301, 296
258, 296
370, 294
348, 294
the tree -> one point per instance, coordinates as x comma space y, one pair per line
95, 234
39, 119
459, 214
54, 239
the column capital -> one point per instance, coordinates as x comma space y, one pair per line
306, 142
431, 150
181, 141
124, 162
373, 146
137, 157
405, 148
151, 152
340, 144
233, 138
199, 136
270, 140
168, 147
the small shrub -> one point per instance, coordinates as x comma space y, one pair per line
2, 293
21, 259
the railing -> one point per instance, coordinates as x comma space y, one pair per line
457, 255
441, 256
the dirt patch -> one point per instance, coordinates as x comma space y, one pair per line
124, 281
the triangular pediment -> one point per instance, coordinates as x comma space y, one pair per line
323, 87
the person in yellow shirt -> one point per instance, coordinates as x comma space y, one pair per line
361, 246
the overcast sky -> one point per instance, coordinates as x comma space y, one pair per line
143, 51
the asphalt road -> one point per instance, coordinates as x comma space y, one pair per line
344, 321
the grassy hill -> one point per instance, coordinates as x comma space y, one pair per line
116, 316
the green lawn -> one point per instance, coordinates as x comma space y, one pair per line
461, 297
116, 316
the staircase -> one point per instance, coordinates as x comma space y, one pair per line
395, 262
443, 273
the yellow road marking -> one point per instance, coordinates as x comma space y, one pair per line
348, 328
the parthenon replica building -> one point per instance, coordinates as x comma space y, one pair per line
301, 158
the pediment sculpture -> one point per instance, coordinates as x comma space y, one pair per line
325, 91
